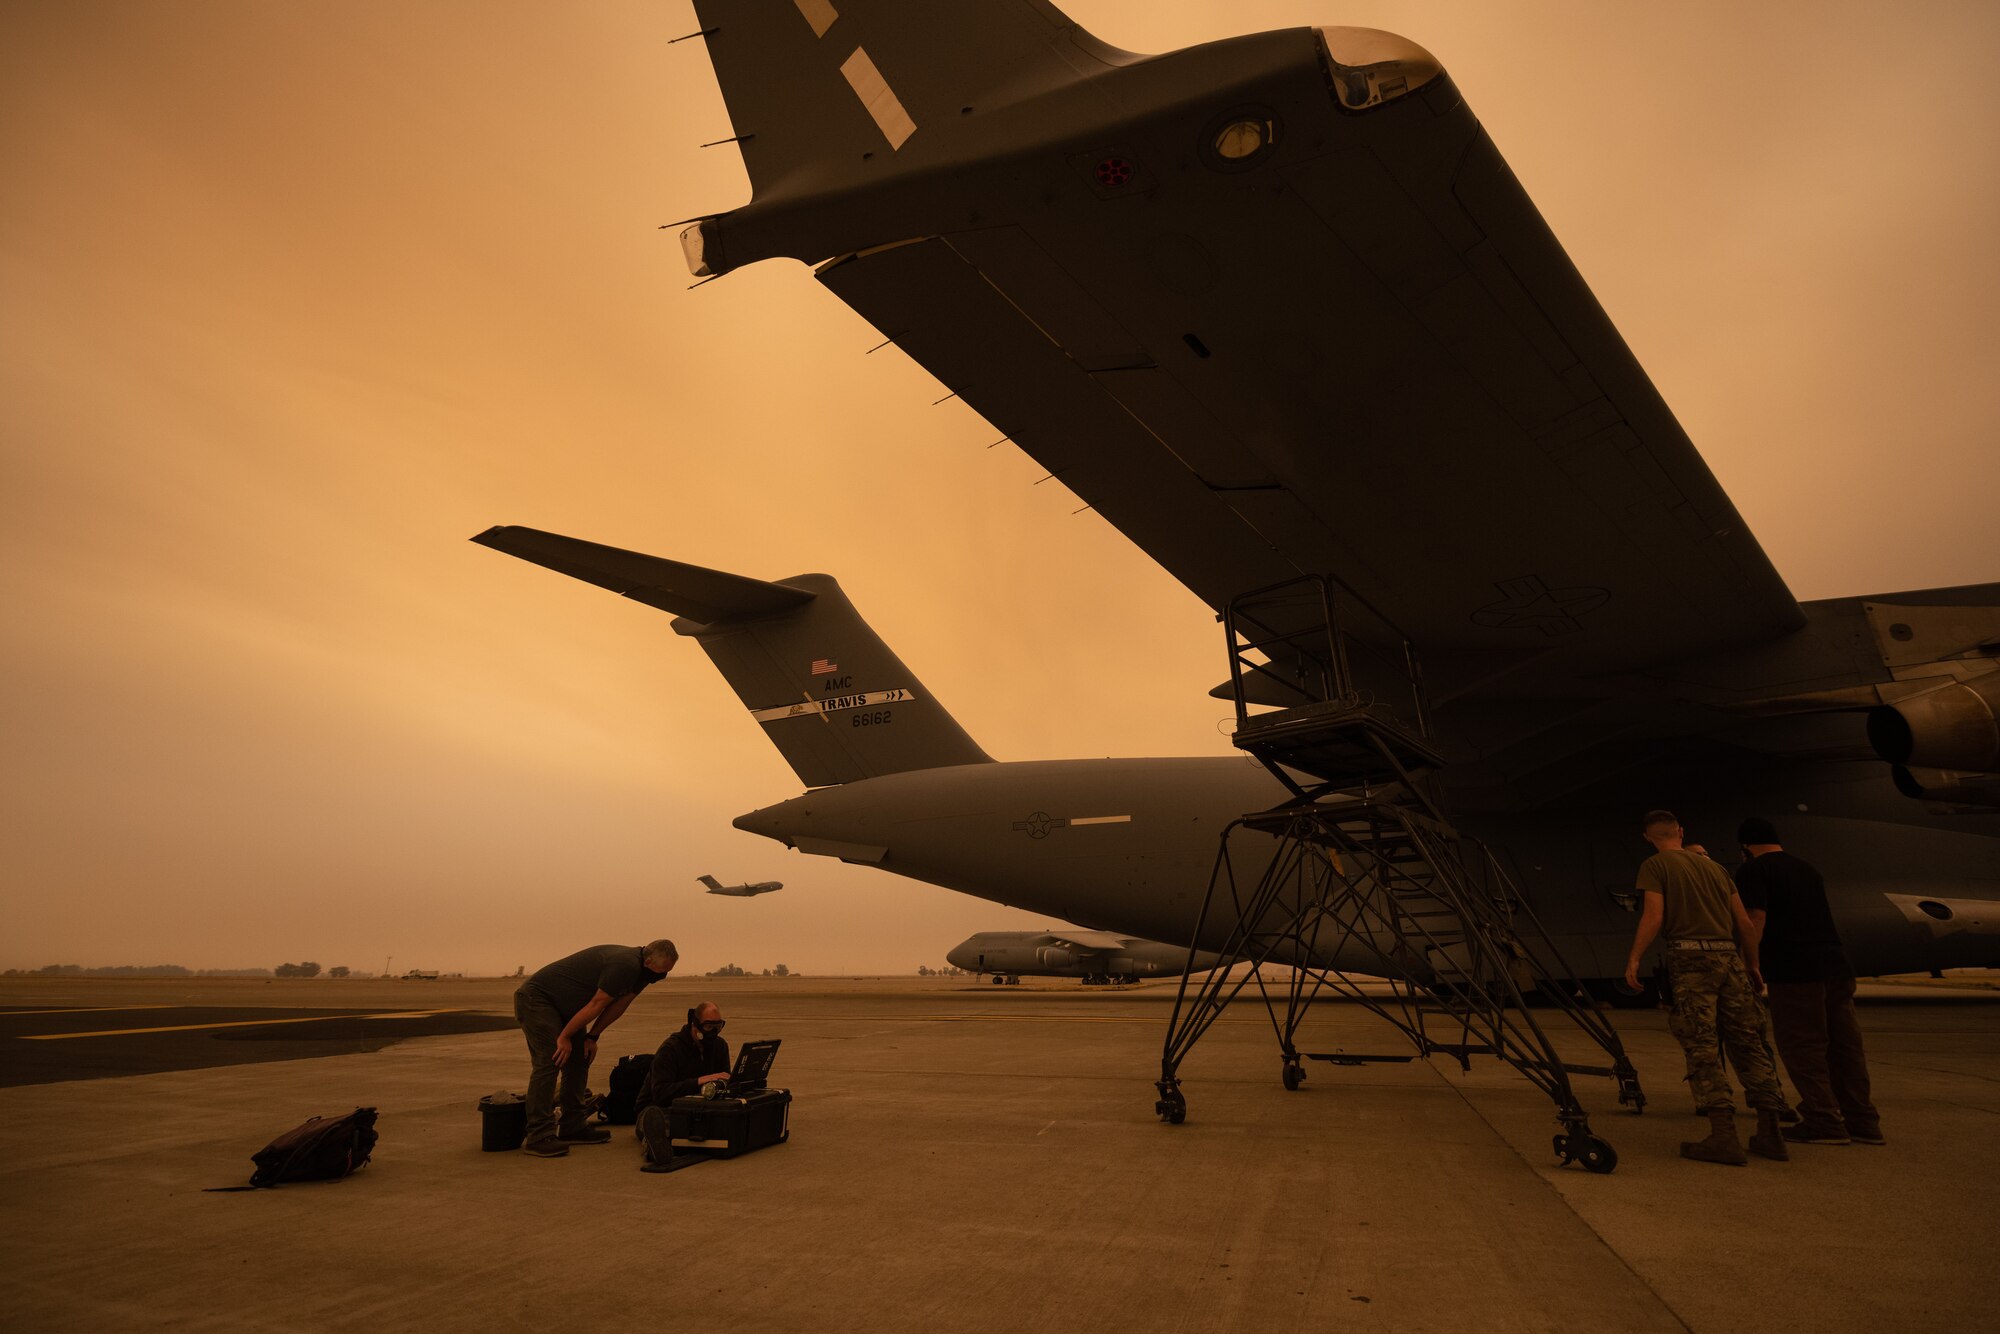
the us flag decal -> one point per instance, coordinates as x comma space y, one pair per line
824, 667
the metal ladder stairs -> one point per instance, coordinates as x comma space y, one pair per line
1365, 875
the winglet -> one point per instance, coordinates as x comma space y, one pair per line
830, 100
710, 597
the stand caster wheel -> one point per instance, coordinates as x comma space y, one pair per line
1171, 1108
1629, 1092
1595, 1154
1294, 1076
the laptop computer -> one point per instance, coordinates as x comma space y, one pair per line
753, 1066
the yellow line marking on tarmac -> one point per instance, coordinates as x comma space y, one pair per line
1039, 1018
233, 1023
774, 1021
99, 1009
740, 1020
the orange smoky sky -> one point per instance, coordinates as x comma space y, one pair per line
296, 298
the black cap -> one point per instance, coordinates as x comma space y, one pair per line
1756, 829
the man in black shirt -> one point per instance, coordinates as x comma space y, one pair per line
691, 1056
1812, 991
574, 998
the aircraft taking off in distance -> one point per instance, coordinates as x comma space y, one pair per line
740, 891
1098, 957
1275, 307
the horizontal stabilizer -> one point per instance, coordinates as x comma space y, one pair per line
708, 596
835, 700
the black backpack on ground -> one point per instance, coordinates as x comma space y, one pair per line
621, 1104
323, 1149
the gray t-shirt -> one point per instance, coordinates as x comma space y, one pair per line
569, 984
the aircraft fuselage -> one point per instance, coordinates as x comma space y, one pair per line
1051, 954
1128, 845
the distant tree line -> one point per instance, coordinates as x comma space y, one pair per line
174, 970
731, 970
122, 970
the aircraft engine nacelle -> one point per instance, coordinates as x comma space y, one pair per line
1954, 727
1976, 791
1053, 957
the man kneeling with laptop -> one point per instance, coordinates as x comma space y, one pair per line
691, 1100
691, 1057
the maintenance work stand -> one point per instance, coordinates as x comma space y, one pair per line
1368, 876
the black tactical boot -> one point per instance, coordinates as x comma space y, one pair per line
1721, 1146
1769, 1141
653, 1131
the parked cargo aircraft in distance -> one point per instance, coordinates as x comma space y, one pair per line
740, 891
1274, 307
1097, 957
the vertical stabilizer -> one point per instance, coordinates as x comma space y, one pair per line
835, 700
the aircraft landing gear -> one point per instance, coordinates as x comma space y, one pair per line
1013, 981
997, 979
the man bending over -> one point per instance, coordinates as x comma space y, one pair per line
563, 1010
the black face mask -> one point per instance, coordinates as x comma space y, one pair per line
707, 1028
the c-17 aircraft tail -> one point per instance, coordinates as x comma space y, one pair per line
817, 92
835, 700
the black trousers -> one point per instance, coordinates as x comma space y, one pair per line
1819, 1037
541, 1024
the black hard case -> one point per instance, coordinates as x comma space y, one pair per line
726, 1127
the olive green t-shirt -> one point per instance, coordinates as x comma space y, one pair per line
1696, 892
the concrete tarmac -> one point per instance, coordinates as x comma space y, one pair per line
978, 1158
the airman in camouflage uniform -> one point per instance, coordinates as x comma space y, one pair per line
1764, 1037
1691, 904
1714, 1008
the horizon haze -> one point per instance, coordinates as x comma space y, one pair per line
298, 298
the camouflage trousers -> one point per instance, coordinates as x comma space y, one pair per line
1764, 1030
1715, 1008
